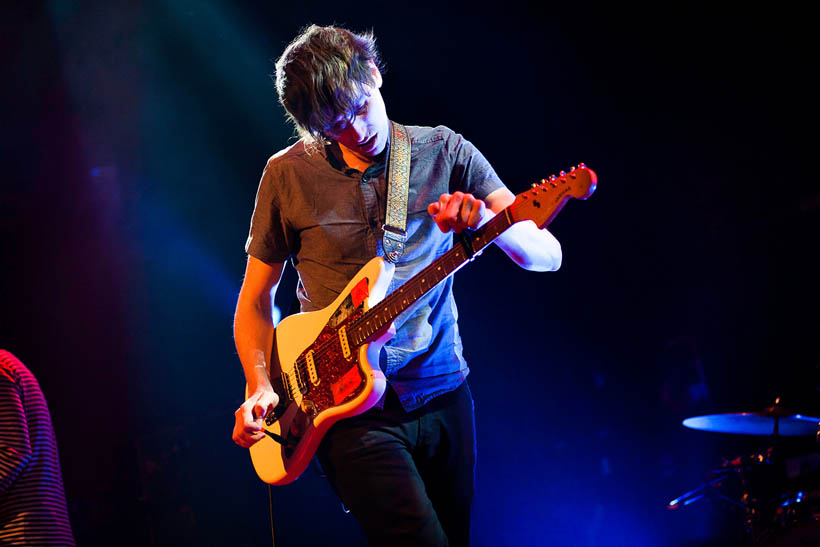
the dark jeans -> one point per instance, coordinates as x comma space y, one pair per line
407, 477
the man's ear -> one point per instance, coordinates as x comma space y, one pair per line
377, 75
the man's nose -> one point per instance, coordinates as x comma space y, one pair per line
359, 128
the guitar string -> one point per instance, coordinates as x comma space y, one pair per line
328, 346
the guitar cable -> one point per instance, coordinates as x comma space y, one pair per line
270, 504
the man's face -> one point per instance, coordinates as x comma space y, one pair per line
366, 132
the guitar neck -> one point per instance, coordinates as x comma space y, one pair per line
540, 204
377, 319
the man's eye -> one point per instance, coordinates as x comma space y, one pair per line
339, 126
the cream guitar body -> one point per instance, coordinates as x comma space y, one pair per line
321, 381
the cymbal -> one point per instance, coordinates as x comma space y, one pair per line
789, 424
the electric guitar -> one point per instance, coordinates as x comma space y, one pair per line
329, 358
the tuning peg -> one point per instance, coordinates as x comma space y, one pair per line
563, 174
553, 177
582, 165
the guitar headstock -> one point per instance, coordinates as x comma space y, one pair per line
543, 201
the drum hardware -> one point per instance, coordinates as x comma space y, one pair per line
710, 488
742, 483
771, 509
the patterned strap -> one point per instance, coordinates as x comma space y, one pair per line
398, 181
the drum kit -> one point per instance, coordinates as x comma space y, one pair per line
776, 490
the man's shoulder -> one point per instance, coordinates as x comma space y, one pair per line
296, 152
420, 134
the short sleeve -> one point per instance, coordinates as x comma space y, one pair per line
269, 235
471, 172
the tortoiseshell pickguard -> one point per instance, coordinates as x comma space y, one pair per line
340, 379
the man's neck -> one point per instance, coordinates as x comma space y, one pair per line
355, 161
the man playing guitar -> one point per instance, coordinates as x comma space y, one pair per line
404, 468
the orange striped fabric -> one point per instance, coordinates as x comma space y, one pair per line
32, 501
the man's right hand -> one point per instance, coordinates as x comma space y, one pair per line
247, 429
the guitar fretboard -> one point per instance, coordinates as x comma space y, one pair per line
385, 312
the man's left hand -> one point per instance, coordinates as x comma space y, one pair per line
457, 212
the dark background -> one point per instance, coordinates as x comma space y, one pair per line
134, 135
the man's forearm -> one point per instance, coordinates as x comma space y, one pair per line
253, 335
253, 322
528, 246
532, 249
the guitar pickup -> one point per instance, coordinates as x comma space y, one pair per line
311, 368
344, 343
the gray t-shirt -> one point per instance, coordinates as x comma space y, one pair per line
328, 219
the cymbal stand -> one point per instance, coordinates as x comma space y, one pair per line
709, 488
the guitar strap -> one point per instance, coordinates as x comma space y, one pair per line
398, 182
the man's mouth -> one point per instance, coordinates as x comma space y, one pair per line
367, 143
